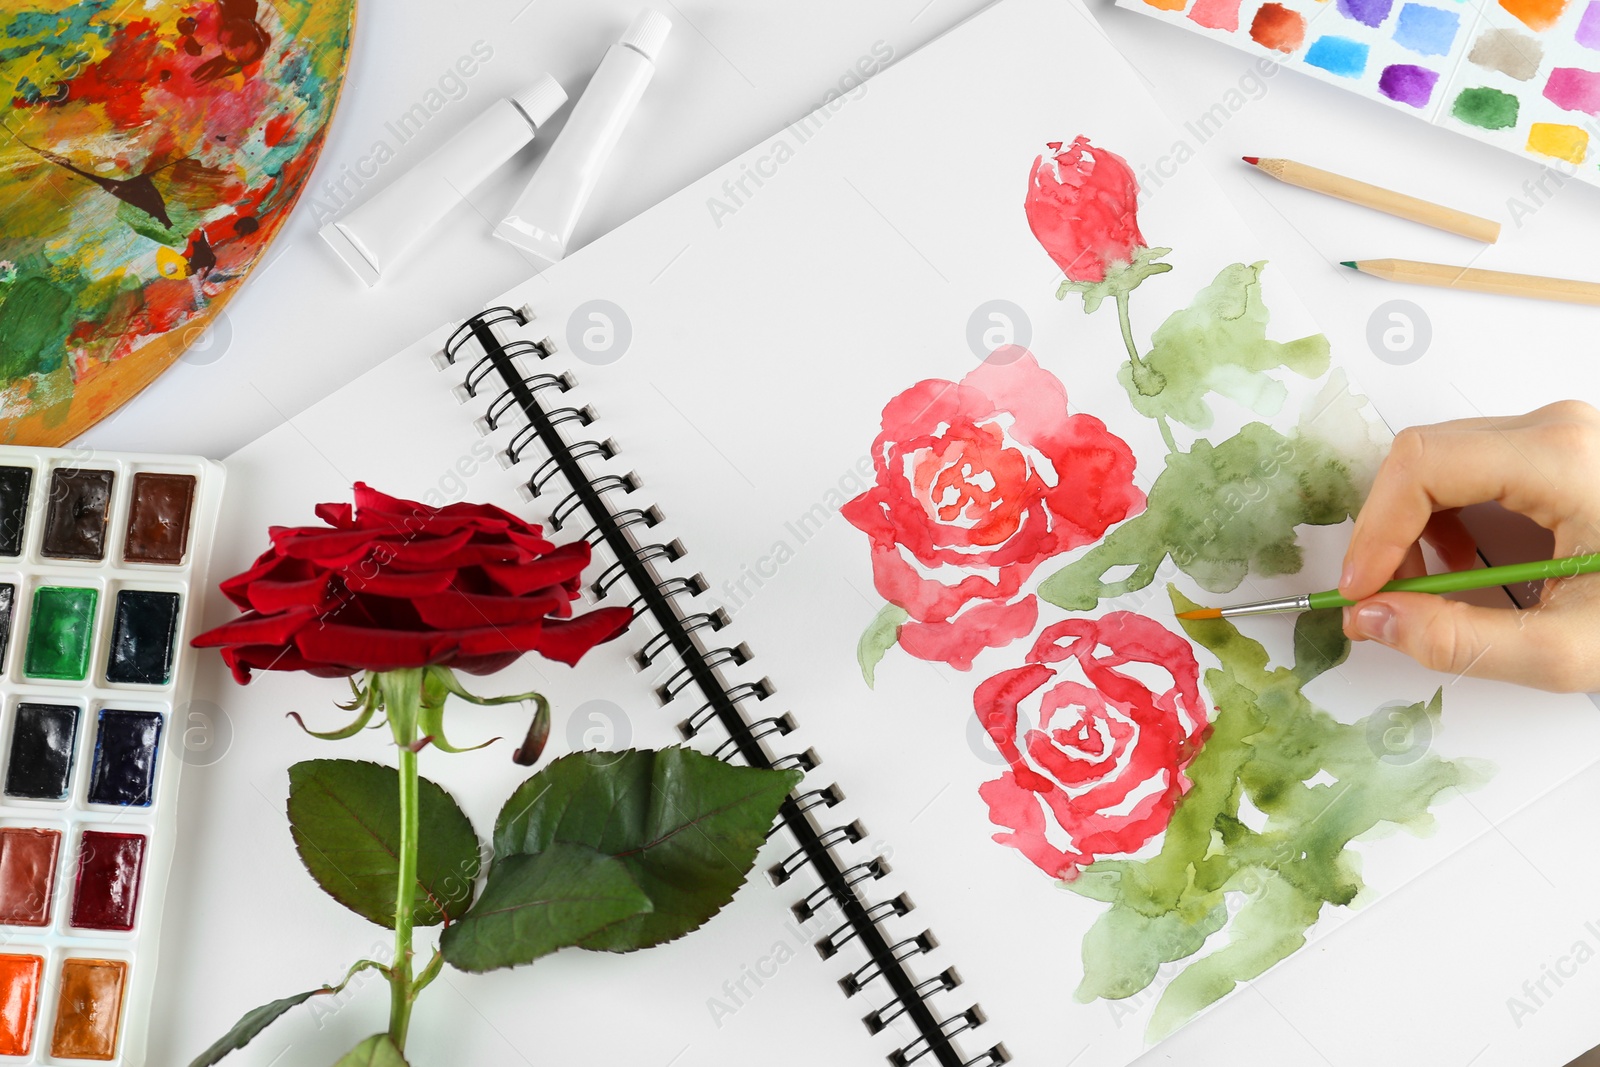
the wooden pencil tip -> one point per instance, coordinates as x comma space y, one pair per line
1252, 160
1349, 263
1201, 613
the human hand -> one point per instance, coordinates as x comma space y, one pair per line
1545, 465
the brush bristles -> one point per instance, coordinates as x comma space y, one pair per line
1201, 613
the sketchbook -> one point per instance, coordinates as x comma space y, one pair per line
906, 434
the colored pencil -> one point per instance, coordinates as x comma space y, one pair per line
1445, 276
1453, 582
1378, 198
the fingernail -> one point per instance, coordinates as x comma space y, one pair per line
1347, 612
1378, 622
1347, 576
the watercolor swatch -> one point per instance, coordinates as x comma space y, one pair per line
1520, 74
152, 152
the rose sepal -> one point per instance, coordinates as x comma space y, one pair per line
365, 699
1120, 280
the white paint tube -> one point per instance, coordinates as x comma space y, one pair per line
544, 216
374, 235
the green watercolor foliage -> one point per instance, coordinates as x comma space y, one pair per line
1268, 741
878, 638
1220, 513
1219, 344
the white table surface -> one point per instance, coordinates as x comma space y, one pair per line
735, 71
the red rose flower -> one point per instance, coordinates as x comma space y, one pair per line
1102, 770
391, 583
977, 482
1082, 206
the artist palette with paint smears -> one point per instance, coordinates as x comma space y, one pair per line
1520, 74
99, 558
150, 154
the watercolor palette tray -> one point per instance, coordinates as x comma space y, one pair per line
100, 557
1520, 74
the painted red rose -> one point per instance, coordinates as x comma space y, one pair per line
391, 583
1098, 752
1082, 205
977, 482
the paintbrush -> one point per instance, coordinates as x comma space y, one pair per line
1378, 198
1479, 281
1453, 582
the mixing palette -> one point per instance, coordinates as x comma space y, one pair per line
101, 556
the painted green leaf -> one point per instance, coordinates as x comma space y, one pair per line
1319, 784
1131, 947
345, 818
878, 638
1219, 513
685, 825
1219, 344
1319, 643
533, 905
376, 1051
250, 1026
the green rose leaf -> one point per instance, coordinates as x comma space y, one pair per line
345, 818
1219, 344
1220, 513
376, 1051
533, 905
250, 1025
880, 636
685, 826
1319, 643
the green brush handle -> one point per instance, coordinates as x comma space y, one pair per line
1487, 578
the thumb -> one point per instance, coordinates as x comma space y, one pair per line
1457, 638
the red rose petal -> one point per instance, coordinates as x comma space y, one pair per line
270, 597
470, 555
1018, 808
996, 701
256, 629
362, 578
454, 609
986, 624
235, 588
373, 649
337, 515
242, 659
567, 640
562, 564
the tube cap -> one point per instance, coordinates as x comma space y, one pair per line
540, 100
648, 33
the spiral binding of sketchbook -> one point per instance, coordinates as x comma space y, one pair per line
683, 632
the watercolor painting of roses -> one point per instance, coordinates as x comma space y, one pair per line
978, 482
1171, 775
1096, 754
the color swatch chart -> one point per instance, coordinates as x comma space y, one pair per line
100, 558
1520, 74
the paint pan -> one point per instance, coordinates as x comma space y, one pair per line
102, 559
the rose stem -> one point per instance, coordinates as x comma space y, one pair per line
402, 691
1138, 364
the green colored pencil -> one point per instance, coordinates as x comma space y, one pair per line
1454, 582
